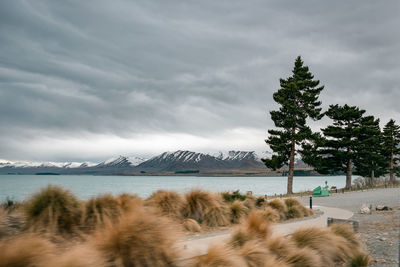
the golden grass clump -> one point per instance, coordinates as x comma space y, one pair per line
138, 239
53, 209
191, 225
217, 215
254, 228
198, 202
256, 254
99, 210
332, 248
280, 206
345, 231
82, 255
25, 251
250, 202
271, 215
360, 260
218, 255
295, 212
238, 211
129, 202
168, 203
290, 202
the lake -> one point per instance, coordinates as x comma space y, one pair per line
20, 187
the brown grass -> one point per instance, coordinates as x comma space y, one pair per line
129, 202
25, 251
218, 256
256, 254
280, 206
198, 203
53, 209
271, 215
290, 202
191, 225
254, 228
167, 203
82, 255
295, 212
99, 210
332, 248
238, 211
138, 239
360, 260
345, 231
218, 215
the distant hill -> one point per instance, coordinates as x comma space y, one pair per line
168, 162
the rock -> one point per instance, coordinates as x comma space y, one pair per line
380, 208
364, 209
382, 239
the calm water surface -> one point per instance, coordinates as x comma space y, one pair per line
19, 187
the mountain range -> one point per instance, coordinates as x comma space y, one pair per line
167, 162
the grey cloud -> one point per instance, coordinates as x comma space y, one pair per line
127, 68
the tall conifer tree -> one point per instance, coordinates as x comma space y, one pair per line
391, 149
298, 99
337, 148
369, 161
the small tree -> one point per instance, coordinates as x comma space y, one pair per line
298, 99
369, 161
391, 148
337, 148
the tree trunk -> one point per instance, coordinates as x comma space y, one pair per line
291, 170
391, 173
348, 173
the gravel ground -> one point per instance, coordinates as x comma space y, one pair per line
379, 230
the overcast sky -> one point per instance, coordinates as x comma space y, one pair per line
88, 80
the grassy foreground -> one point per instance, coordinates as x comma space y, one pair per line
54, 228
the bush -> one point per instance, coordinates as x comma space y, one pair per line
271, 215
280, 206
198, 203
217, 215
129, 202
168, 203
218, 256
235, 195
256, 254
53, 209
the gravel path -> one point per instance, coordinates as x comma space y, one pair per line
379, 230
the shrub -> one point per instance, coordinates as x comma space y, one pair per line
99, 210
191, 225
54, 209
138, 239
290, 202
218, 256
168, 203
360, 260
235, 195
295, 212
260, 201
345, 231
25, 250
250, 202
238, 211
256, 254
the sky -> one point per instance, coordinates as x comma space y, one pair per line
90, 80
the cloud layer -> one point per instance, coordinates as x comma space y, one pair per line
82, 80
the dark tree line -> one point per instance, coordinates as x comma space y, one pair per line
353, 143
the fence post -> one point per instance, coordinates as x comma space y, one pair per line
311, 202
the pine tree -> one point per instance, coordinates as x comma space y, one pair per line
369, 161
337, 148
298, 99
391, 149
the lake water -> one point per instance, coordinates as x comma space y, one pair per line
20, 187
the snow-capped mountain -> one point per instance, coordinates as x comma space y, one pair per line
121, 161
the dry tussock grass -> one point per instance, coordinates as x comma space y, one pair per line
191, 225
250, 202
82, 255
168, 203
271, 215
256, 254
254, 228
238, 211
197, 204
99, 210
53, 209
138, 239
129, 202
25, 251
280, 206
218, 255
